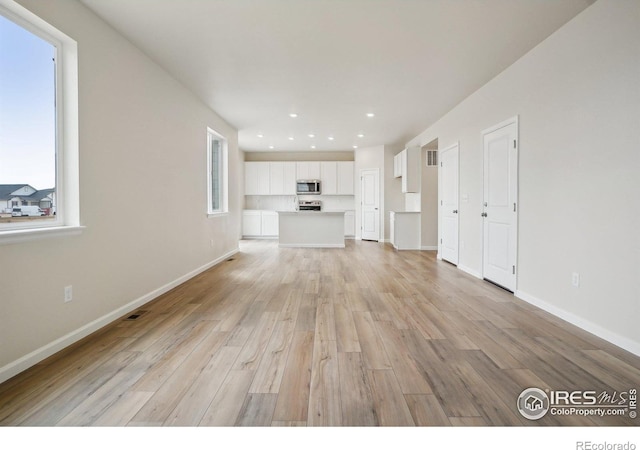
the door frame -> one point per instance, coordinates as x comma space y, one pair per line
440, 205
515, 172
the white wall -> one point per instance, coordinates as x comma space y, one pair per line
428, 205
577, 96
142, 147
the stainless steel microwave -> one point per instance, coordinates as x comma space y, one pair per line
306, 187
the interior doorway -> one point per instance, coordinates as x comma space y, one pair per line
500, 203
449, 178
370, 204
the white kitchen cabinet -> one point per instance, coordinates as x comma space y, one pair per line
256, 178
269, 221
337, 177
279, 177
289, 178
276, 178
406, 165
350, 223
251, 223
404, 230
329, 177
282, 178
397, 165
308, 170
345, 178
258, 223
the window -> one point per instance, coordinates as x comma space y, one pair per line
217, 173
38, 125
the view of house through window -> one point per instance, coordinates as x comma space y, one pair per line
27, 127
217, 147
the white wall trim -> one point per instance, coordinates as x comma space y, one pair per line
33, 358
32, 234
502, 124
580, 322
470, 271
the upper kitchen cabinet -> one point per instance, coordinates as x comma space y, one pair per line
282, 178
308, 170
256, 178
279, 177
328, 178
337, 177
397, 165
270, 178
406, 164
346, 178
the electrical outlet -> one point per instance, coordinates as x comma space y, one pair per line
575, 279
68, 293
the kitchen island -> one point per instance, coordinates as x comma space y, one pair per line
322, 229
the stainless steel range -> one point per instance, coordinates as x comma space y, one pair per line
310, 205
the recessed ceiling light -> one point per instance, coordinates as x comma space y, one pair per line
260, 135
370, 114
291, 138
330, 138
311, 135
313, 146
355, 146
271, 147
361, 135
293, 115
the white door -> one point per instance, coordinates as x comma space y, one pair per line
448, 176
370, 200
500, 204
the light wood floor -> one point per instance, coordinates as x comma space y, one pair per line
321, 337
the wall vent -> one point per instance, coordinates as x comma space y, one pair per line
432, 158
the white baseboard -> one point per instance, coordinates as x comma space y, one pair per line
608, 335
33, 358
429, 247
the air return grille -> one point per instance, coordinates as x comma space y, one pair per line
432, 158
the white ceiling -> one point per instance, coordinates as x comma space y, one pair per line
332, 61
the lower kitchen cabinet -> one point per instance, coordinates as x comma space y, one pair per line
350, 223
404, 228
269, 223
257, 223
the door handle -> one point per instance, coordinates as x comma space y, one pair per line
484, 214
455, 211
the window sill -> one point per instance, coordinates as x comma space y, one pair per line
32, 234
217, 214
